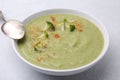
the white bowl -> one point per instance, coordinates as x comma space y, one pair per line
68, 71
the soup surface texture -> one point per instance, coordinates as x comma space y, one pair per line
60, 41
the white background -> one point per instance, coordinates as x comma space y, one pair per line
107, 11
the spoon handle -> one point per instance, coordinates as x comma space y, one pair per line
1, 16
2, 20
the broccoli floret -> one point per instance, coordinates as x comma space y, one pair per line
51, 26
72, 27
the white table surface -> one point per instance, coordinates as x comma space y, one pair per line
107, 11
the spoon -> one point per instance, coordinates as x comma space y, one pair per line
12, 28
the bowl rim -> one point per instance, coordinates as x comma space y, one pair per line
105, 47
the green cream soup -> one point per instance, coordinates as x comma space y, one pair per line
61, 41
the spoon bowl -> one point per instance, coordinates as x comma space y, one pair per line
13, 29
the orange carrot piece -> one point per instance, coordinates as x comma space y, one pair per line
56, 35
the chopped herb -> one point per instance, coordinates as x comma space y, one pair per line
72, 27
45, 34
64, 24
51, 26
39, 47
36, 48
65, 20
